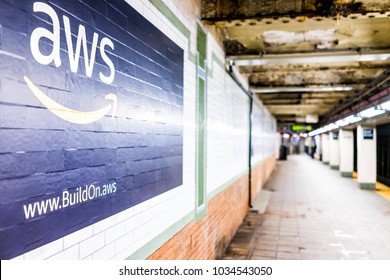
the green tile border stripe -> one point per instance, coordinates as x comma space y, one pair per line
161, 239
259, 161
234, 179
219, 62
346, 174
225, 185
215, 60
169, 15
367, 186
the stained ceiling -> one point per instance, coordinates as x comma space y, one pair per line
308, 60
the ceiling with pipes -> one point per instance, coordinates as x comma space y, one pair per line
308, 60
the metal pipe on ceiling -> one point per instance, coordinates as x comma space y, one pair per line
301, 89
307, 58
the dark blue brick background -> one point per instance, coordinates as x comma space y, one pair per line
41, 155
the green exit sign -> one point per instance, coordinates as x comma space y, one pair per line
301, 127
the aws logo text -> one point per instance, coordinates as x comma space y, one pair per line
73, 54
39, 34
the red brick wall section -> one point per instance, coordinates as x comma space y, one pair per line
208, 238
261, 173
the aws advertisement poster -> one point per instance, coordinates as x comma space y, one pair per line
91, 108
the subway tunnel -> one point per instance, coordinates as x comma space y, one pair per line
194, 130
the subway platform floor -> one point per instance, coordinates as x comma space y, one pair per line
313, 213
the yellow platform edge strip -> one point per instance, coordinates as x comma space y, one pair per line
381, 189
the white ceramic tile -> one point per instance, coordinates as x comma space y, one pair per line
45, 251
105, 253
133, 223
115, 232
124, 215
124, 242
78, 236
91, 245
104, 224
71, 253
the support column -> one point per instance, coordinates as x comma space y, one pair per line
318, 143
366, 157
325, 148
346, 152
334, 159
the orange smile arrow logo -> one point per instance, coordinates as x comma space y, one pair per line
68, 114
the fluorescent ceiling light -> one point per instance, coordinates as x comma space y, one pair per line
317, 131
370, 112
352, 119
342, 122
311, 58
385, 106
300, 89
333, 126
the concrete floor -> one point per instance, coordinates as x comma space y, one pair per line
314, 213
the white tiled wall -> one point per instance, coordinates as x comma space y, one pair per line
227, 124
264, 136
